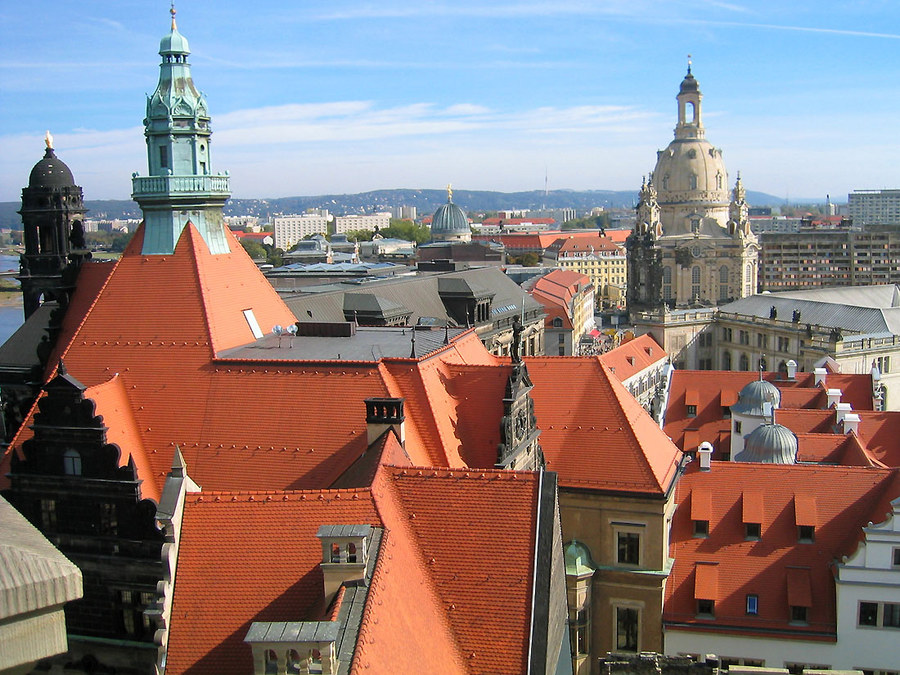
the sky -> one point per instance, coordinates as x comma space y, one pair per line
322, 97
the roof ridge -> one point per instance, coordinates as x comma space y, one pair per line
456, 473
188, 238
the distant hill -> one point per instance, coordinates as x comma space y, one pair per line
425, 201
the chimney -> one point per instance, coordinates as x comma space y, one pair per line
851, 423
705, 453
384, 413
842, 410
820, 376
792, 369
834, 397
345, 552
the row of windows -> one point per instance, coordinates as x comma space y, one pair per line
882, 614
706, 609
806, 534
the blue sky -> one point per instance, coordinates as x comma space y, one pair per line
338, 97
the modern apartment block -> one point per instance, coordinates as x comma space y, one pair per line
291, 229
868, 207
793, 261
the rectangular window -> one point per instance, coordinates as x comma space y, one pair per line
806, 534
701, 528
627, 624
744, 337
691, 411
628, 550
163, 157
891, 617
108, 520
799, 614
752, 604
895, 558
737, 427
868, 614
752, 531
706, 608
48, 513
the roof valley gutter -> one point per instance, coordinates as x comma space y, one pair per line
541, 593
534, 573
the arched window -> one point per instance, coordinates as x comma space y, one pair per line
692, 112
271, 662
665, 182
557, 322
351, 553
695, 282
335, 553
748, 280
693, 181
726, 360
718, 181
723, 282
744, 362
71, 463
293, 661
667, 283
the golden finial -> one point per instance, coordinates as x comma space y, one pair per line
48, 139
449, 192
172, 12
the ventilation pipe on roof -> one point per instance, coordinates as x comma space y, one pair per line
705, 453
842, 410
834, 397
820, 373
792, 369
851, 423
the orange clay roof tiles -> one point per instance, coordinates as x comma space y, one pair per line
250, 557
633, 356
761, 566
590, 423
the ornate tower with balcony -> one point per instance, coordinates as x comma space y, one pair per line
52, 214
181, 187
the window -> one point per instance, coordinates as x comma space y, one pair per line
108, 519
695, 282
579, 631
163, 157
351, 553
726, 334
701, 528
723, 283
253, 323
667, 283
737, 427
562, 339
891, 616
798, 614
726, 360
71, 463
806, 534
868, 614
896, 558
628, 550
752, 531
744, 362
48, 513
752, 603
271, 662
784, 344
691, 410
744, 337
627, 622
706, 608
762, 340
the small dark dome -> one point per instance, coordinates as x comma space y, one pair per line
754, 395
50, 172
449, 219
689, 84
769, 444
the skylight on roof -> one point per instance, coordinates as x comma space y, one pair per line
253, 323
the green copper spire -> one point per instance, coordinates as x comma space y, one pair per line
181, 186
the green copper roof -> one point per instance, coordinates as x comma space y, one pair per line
578, 559
174, 42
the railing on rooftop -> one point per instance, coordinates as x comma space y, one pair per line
171, 185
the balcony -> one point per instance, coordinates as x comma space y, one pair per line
157, 186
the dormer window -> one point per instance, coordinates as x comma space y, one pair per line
706, 609
806, 534
799, 614
752, 531
701, 528
752, 604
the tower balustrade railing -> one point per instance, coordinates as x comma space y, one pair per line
173, 185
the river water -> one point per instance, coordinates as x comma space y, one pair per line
11, 317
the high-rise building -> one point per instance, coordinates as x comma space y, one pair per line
691, 245
874, 207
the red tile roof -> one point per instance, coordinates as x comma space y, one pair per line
594, 433
248, 557
631, 357
781, 496
569, 244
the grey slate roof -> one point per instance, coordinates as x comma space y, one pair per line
20, 348
34, 575
857, 309
417, 293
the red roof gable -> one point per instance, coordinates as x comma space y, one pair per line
594, 433
633, 356
791, 495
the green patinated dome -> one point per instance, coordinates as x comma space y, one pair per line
578, 559
174, 42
